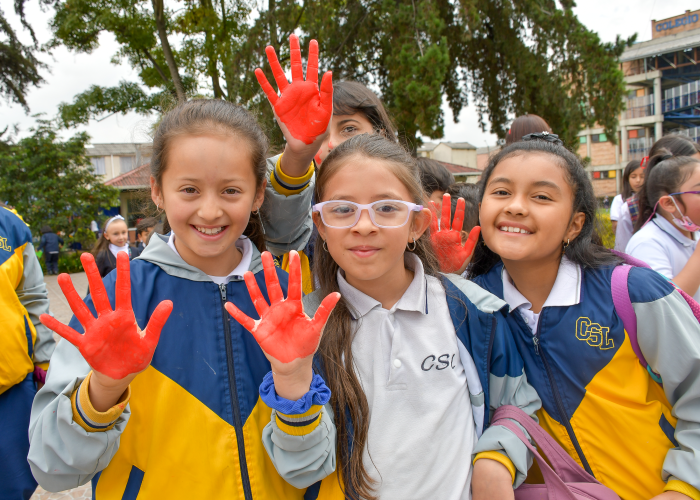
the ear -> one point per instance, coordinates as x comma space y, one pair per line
576, 226
666, 203
156, 193
421, 223
259, 196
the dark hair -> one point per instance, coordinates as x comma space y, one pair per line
46, 229
207, 116
335, 351
677, 145
586, 249
353, 97
629, 169
146, 224
471, 195
433, 175
526, 124
664, 175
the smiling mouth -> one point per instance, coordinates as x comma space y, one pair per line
210, 231
511, 229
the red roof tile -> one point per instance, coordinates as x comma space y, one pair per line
458, 169
138, 178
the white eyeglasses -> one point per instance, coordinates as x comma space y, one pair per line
341, 214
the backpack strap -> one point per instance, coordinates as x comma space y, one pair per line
623, 306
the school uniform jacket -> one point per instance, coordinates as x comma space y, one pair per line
193, 424
598, 402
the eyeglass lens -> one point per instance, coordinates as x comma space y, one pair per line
345, 214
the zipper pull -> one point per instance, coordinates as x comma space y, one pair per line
222, 289
536, 341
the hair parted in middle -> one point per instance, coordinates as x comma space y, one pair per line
587, 248
335, 350
629, 169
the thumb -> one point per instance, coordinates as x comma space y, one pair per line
63, 330
246, 321
472, 240
157, 322
324, 311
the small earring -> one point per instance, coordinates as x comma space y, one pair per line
324, 246
408, 246
566, 245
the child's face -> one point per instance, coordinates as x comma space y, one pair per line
117, 233
208, 191
366, 252
637, 179
343, 127
691, 202
529, 193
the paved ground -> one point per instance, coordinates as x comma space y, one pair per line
61, 310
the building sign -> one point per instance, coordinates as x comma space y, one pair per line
684, 22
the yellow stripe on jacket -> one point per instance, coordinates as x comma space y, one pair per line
307, 282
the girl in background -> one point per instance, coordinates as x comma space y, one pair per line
632, 180
114, 239
542, 255
526, 124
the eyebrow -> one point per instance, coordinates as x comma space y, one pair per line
383, 196
505, 180
343, 122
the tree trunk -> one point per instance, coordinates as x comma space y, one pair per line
167, 52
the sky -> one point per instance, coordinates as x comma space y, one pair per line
71, 73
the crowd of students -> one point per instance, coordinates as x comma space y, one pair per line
332, 336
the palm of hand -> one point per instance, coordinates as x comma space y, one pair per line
113, 344
301, 110
283, 331
447, 241
448, 247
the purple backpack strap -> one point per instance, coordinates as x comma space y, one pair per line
623, 306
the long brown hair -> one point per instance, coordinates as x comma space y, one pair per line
206, 116
335, 351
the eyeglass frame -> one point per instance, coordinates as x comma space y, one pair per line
684, 192
412, 207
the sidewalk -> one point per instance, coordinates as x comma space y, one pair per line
60, 309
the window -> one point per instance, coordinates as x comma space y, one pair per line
126, 163
599, 138
582, 139
98, 163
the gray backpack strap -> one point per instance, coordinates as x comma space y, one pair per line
311, 303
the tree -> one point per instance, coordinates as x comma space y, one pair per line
507, 56
19, 67
52, 182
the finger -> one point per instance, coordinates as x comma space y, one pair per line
472, 240
327, 92
97, 288
433, 220
274, 291
157, 322
255, 294
246, 321
77, 305
324, 311
294, 290
122, 290
64, 331
277, 71
267, 88
312, 63
458, 221
295, 57
446, 208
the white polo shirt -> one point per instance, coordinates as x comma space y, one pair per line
244, 245
615, 207
662, 245
565, 292
421, 429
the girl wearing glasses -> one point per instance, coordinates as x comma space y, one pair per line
670, 202
415, 361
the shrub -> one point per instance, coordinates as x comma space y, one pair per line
605, 228
68, 262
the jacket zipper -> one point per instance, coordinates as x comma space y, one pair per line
238, 423
557, 399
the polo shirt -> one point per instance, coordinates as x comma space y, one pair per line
243, 244
662, 245
421, 428
615, 206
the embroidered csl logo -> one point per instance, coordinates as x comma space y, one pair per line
4, 245
593, 334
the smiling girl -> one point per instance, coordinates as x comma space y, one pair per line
542, 255
415, 361
114, 239
175, 415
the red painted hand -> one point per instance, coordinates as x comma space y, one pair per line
452, 255
301, 108
113, 344
283, 331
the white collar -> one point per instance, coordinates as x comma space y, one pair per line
242, 243
565, 292
672, 230
115, 249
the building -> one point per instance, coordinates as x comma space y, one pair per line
114, 159
462, 174
134, 196
663, 81
484, 154
458, 153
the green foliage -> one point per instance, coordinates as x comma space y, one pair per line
84, 236
605, 228
68, 262
509, 56
52, 182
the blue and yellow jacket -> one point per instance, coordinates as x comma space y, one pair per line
24, 341
190, 425
635, 436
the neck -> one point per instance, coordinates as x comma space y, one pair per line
220, 265
388, 288
534, 280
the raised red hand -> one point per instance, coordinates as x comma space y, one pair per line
113, 344
452, 256
283, 331
304, 110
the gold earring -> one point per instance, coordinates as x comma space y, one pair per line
566, 245
408, 246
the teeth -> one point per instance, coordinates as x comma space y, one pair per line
509, 229
210, 231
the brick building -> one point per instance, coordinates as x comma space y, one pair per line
663, 82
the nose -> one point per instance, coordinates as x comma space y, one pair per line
209, 209
516, 206
364, 225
